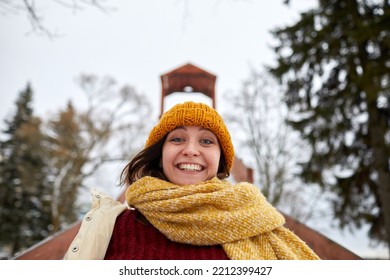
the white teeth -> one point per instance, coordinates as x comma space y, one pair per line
190, 167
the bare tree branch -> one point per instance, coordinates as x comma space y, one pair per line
268, 144
36, 18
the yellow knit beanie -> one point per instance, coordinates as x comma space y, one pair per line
194, 114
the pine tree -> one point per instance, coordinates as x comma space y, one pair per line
335, 62
24, 213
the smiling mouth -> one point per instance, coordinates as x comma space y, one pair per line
190, 167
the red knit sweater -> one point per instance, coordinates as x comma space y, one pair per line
134, 238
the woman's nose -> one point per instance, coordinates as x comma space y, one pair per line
191, 149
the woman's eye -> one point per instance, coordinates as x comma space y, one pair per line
206, 141
177, 139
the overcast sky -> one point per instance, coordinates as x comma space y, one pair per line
137, 42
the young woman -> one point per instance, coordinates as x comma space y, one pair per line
179, 205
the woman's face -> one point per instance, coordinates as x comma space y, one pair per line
190, 155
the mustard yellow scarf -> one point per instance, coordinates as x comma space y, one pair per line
216, 212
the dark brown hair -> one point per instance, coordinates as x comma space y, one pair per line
148, 163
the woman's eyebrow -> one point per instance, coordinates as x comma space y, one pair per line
180, 127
